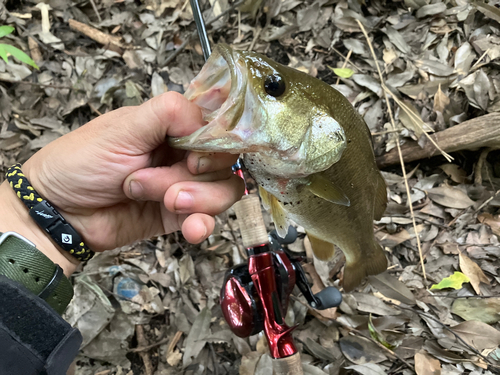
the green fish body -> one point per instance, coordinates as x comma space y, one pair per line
304, 144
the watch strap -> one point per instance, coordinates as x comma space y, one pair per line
21, 261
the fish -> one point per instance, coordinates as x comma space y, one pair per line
305, 145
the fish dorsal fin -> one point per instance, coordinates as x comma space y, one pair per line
278, 214
322, 250
323, 188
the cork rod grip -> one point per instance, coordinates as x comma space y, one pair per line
252, 227
288, 366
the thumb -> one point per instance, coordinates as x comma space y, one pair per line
169, 114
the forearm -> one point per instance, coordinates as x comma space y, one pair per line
14, 217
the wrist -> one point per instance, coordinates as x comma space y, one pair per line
14, 216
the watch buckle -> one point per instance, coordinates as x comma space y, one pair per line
4, 236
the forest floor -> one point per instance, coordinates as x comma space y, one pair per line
152, 308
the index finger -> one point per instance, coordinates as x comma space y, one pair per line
169, 114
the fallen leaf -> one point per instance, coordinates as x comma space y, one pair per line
392, 288
473, 272
425, 364
454, 281
368, 369
195, 340
440, 100
450, 197
360, 350
342, 72
492, 221
431, 9
486, 310
249, 362
479, 335
371, 304
454, 171
318, 351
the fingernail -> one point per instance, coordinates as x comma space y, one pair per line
136, 190
202, 238
204, 164
183, 202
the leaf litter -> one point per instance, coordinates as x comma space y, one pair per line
439, 62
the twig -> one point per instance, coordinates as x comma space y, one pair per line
486, 202
39, 84
476, 64
141, 339
255, 38
388, 131
94, 109
389, 109
111, 42
149, 347
174, 54
95, 10
174, 341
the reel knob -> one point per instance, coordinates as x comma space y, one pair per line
327, 298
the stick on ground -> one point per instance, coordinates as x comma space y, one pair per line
472, 134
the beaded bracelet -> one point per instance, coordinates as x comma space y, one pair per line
47, 217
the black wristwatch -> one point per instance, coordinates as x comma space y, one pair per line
22, 262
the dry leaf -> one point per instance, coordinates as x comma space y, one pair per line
479, 335
492, 221
392, 288
425, 364
455, 172
473, 272
486, 310
450, 197
441, 100
195, 340
360, 350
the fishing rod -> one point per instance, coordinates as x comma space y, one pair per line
255, 295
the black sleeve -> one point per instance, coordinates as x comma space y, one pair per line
34, 339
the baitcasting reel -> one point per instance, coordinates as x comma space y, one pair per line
254, 296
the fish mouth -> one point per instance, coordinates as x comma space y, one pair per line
219, 90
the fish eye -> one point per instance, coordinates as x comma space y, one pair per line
274, 85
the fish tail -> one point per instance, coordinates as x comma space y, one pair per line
373, 263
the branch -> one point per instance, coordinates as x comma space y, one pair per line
483, 131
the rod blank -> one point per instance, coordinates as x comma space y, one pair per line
202, 31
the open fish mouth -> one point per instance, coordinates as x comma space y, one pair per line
219, 90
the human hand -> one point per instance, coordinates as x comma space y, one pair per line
117, 181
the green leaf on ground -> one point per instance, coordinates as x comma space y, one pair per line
342, 72
454, 281
17, 53
5, 30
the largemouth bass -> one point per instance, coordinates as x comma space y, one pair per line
304, 144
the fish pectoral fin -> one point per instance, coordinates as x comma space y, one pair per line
322, 250
266, 198
323, 188
278, 215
